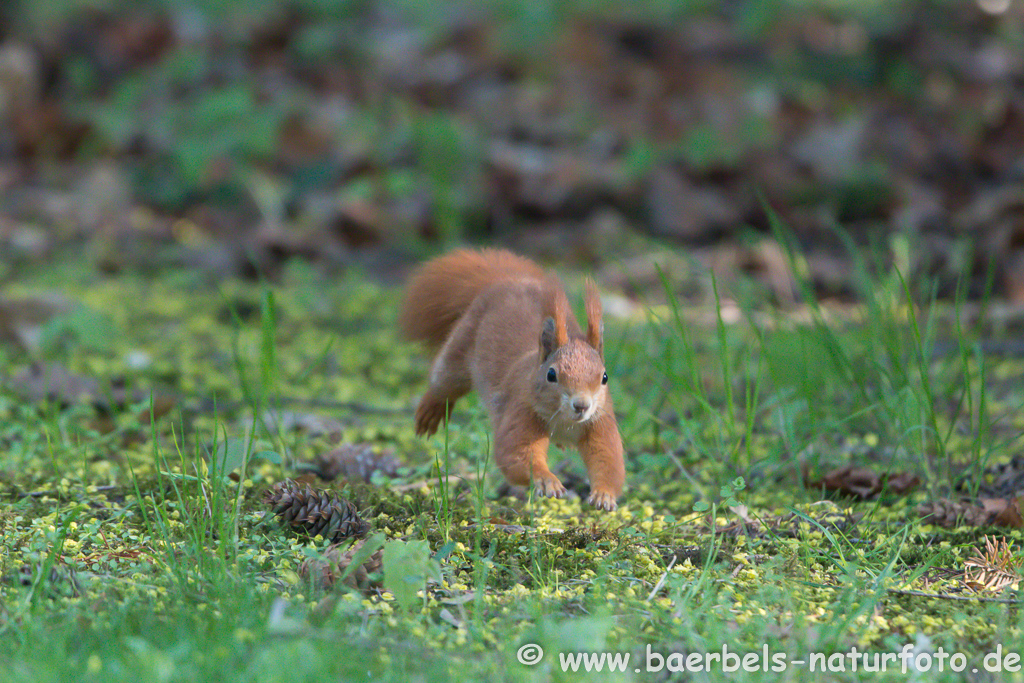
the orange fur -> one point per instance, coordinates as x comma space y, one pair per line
499, 325
595, 314
441, 291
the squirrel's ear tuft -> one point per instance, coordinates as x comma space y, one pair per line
554, 334
561, 331
595, 319
548, 343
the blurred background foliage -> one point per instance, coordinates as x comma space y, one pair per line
233, 136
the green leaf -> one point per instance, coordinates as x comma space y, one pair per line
269, 456
359, 557
231, 455
444, 551
407, 566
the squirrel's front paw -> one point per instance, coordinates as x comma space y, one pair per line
548, 485
603, 500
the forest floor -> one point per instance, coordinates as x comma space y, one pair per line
779, 467
804, 219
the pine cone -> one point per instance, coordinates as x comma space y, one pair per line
324, 573
952, 513
315, 512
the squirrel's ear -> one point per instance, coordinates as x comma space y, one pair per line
548, 343
595, 319
554, 334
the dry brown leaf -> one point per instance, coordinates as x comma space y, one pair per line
860, 482
1000, 479
864, 482
902, 482
985, 512
1010, 515
993, 506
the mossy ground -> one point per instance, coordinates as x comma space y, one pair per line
128, 556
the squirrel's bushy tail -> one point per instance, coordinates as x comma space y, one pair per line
441, 291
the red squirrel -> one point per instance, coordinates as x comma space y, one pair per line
497, 323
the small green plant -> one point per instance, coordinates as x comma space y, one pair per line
727, 493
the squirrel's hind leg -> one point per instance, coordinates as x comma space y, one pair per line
450, 379
430, 412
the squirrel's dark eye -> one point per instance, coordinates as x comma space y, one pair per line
604, 378
552, 375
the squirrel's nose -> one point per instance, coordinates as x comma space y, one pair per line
580, 405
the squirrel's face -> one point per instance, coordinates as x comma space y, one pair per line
571, 385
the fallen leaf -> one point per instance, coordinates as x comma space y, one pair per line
864, 483
984, 512
1010, 515
54, 382
902, 482
860, 482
